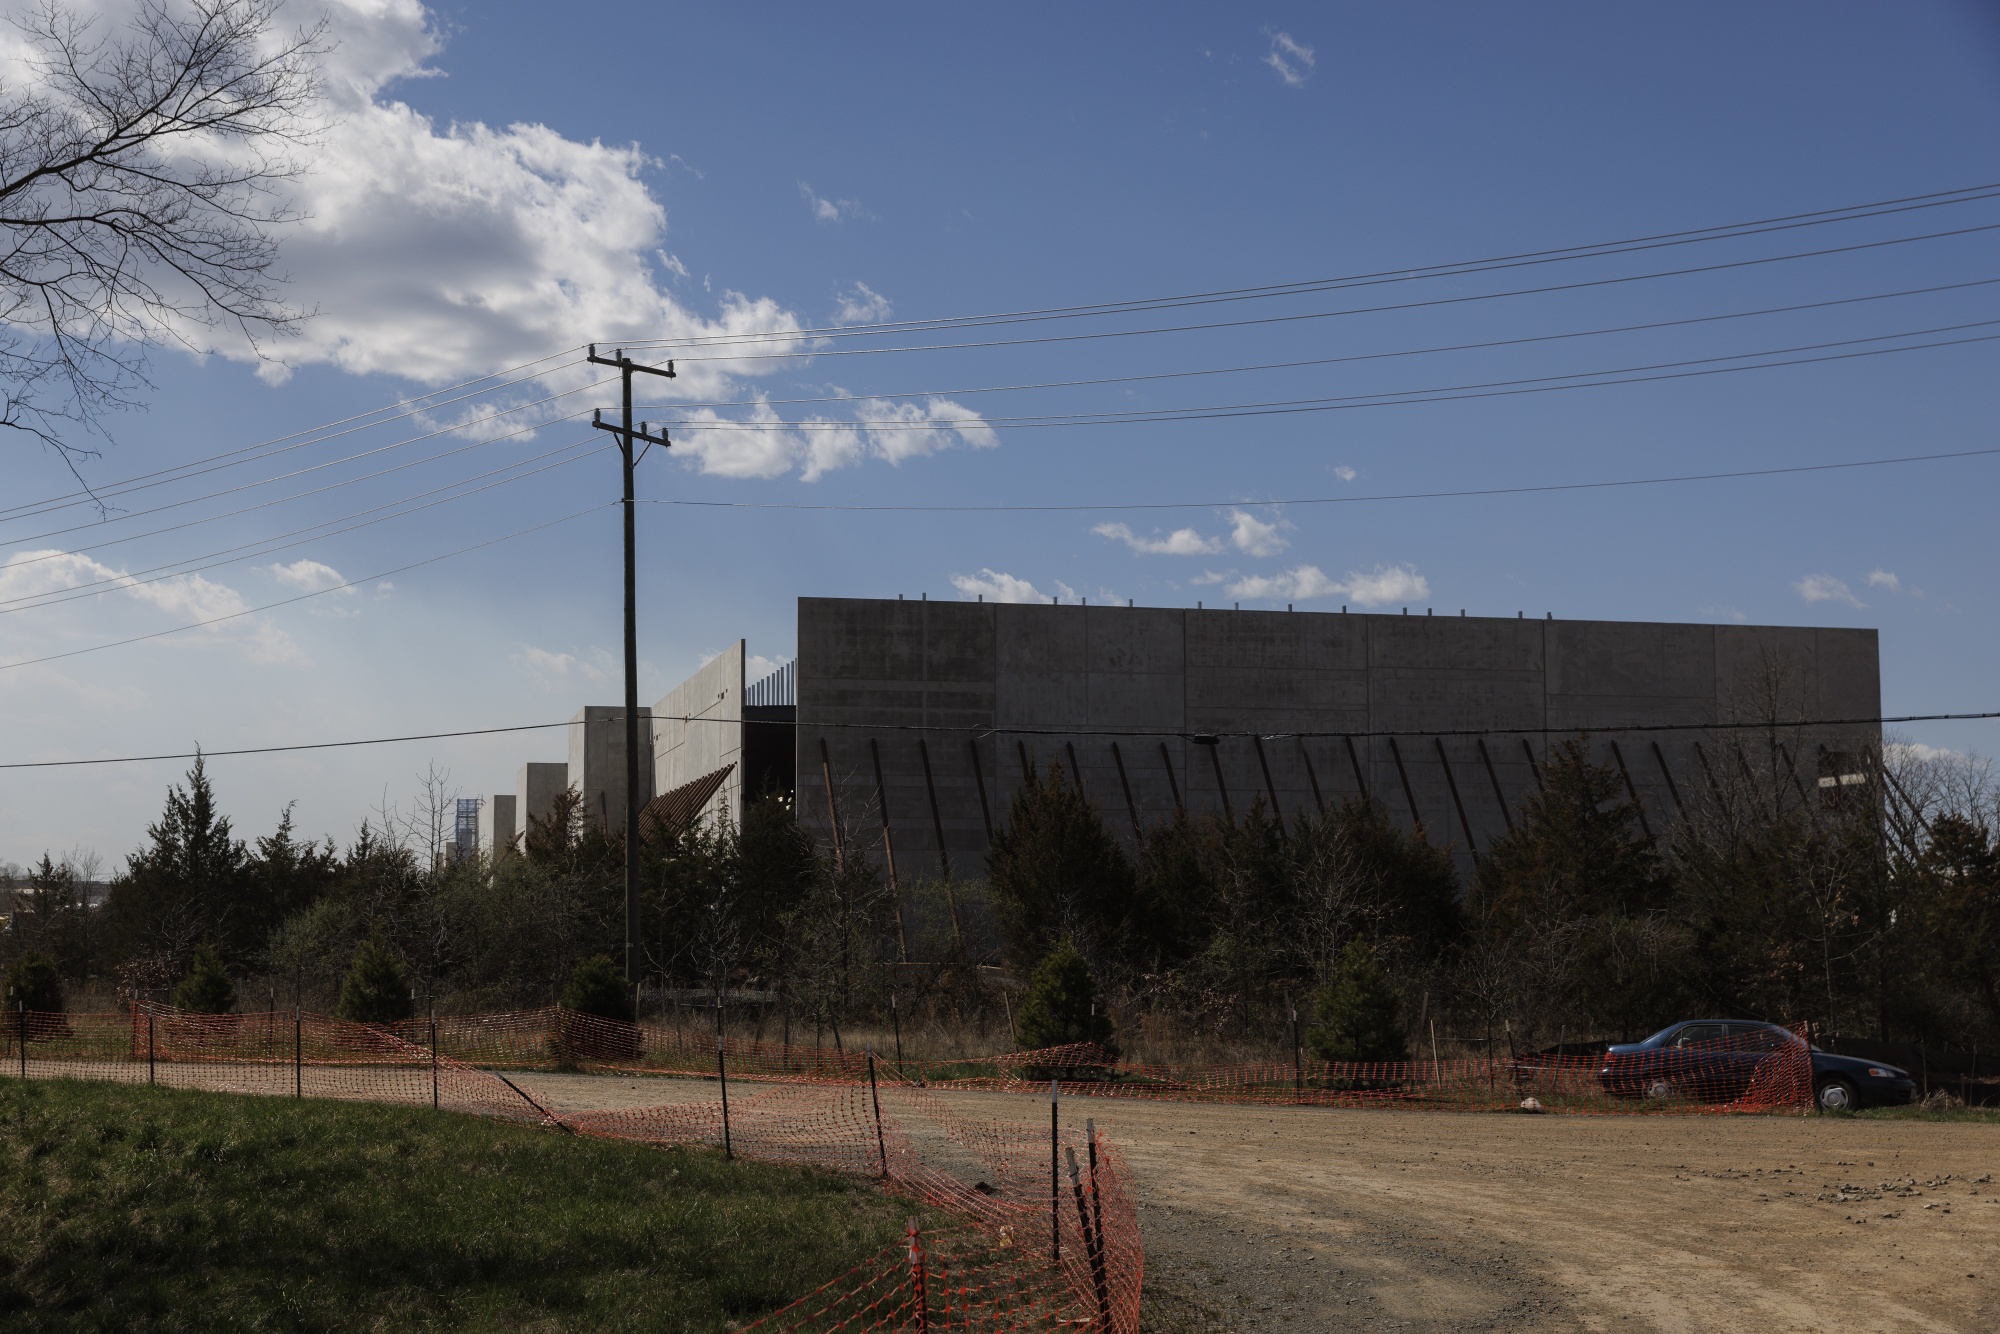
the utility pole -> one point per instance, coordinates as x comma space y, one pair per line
627, 434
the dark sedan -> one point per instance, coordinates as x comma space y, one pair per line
1719, 1060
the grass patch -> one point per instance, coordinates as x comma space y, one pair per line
126, 1207
1916, 1112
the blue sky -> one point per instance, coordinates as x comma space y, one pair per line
501, 185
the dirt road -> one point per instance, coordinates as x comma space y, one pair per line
1287, 1219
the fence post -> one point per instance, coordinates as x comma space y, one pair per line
1096, 1202
1094, 1252
881, 1148
149, 1045
1298, 1061
23, 1011
896, 1021
1055, 1179
434, 1055
917, 1278
722, 1074
298, 1051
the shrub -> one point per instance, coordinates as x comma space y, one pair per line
206, 989
1359, 1017
32, 980
597, 987
375, 990
1061, 1005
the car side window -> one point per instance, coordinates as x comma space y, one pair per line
1755, 1037
1698, 1035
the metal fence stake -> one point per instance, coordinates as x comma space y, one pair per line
149, 1045
722, 1074
875, 1097
918, 1280
434, 1057
298, 1052
1055, 1176
24, 1039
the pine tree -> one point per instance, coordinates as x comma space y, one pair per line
206, 989
188, 884
1056, 871
1062, 1006
597, 987
1359, 1016
33, 982
376, 990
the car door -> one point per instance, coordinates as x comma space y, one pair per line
1751, 1047
1699, 1061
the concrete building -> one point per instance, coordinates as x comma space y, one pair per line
917, 720
498, 832
906, 726
597, 762
535, 791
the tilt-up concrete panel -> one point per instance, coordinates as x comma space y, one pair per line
499, 835
698, 729
536, 787
597, 762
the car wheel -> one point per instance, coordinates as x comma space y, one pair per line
1658, 1089
1837, 1095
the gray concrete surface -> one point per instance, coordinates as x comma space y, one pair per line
497, 829
597, 762
977, 690
535, 790
698, 728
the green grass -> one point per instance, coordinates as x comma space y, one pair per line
126, 1207
1986, 1115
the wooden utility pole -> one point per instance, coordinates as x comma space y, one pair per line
627, 435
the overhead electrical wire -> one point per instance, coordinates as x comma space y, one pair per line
1564, 254
979, 729
403, 507
1200, 372
1580, 285
180, 471
1385, 398
315, 593
1284, 501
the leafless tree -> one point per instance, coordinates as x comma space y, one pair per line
141, 192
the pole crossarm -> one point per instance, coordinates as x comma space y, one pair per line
625, 363
636, 433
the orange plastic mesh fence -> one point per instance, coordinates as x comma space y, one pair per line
284, 1053
1048, 1232
1759, 1071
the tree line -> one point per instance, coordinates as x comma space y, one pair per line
1869, 910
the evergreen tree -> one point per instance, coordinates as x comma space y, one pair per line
1359, 1017
1056, 871
597, 987
206, 989
1062, 1006
187, 885
376, 990
33, 981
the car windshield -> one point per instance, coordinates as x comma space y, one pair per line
1660, 1036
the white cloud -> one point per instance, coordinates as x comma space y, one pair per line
1885, 579
1826, 588
761, 444
186, 599
997, 587
1254, 537
831, 210
1344, 473
555, 671
1903, 751
863, 305
1292, 60
1386, 583
756, 667
1210, 577
309, 575
1180, 542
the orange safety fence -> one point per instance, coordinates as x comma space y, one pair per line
1046, 1230
1757, 1072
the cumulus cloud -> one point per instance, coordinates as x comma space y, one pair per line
1344, 473
309, 575
831, 210
1385, 583
994, 586
1180, 542
1885, 579
559, 670
862, 304
28, 577
1826, 588
1906, 751
1253, 537
759, 443
1292, 60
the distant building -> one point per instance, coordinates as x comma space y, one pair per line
907, 725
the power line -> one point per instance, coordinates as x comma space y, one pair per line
166, 475
1330, 500
983, 730
403, 506
1727, 231
1384, 398
286, 602
1196, 373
